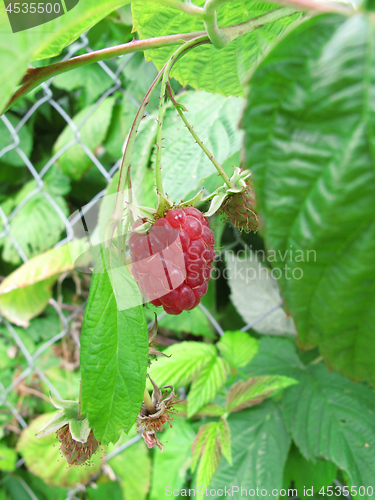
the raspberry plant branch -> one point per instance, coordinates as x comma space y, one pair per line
126, 161
36, 76
210, 156
168, 67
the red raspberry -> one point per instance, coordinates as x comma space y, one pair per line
173, 262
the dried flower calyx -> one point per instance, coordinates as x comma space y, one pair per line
152, 340
78, 442
155, 413
237, 202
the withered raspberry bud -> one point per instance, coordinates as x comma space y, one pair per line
75, 452
239, 209
152, 332
155, 413
78, 442
236, 201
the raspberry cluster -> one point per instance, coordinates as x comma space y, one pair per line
172, 263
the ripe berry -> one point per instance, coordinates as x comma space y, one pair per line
172, 263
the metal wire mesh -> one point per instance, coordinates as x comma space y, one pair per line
14, 145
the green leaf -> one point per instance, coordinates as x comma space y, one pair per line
186, 362
92, 78
254, 292
114, 356
238, 348
25, 144
210, 410
42, 457
260, 444
44, 41
275, 357
253, 391
8, 458
169, 468
225, 439
309, 142
74, 162
330, 417
206, 450
306, 475
133, 467
205, 387
37, 226
220, 71
215, 120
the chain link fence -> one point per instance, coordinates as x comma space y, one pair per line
66, 321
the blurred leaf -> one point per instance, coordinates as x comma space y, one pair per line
114, 353
91, 78
215, 120
8, 458
25, 142
37, 226
206, 451
22, 304
238, 348
306, 474
46, 265
210, 410
254, 292
133, 466
205, 387
194, 322
110, 490
260, 444
309, 144
42, 457
169, 468
217, 71
46, 40
92, 123
43, 328
25, 292
186, 362
331, 417
253, 391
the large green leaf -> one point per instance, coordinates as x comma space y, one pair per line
238, 348
114, 352
330, 417
222, 71
186, 361
215, 120
309, 141
19, 49
260, 444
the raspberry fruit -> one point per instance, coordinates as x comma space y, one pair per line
172, 263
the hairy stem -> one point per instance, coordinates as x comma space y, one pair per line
217, 35
126, 161
210, 156
35, 76
169, 65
